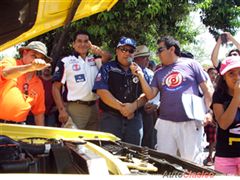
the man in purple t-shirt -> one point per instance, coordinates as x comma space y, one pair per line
176, 132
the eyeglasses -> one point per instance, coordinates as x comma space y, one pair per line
25, 88
234, 54
124, 50
161, 49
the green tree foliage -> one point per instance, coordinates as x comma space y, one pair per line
221, 15
143, 20
146, 20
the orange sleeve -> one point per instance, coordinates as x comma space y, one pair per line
39, 103
6, 62
12, 102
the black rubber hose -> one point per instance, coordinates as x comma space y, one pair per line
7, 140
17, 166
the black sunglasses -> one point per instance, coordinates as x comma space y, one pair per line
234, 54
161, 49
124, 50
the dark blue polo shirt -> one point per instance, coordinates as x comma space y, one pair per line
122, 84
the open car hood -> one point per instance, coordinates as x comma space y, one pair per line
35, 149
28, 19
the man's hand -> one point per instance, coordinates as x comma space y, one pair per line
150, 107
39, 64
209, 119
136, 69
128, 109
95, 49
63, 116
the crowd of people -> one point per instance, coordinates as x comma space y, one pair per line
131, 97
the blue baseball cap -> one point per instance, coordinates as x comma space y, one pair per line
127, 41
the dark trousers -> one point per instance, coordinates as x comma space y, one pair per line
50, 119
149, 132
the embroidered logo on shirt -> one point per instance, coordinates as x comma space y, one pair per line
76, 67
79, 78
115, 69
72, 61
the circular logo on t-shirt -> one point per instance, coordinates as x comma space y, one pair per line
135, 80
174, 79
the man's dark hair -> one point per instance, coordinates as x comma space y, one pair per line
187, 54
169, 42
234, 50
81, 32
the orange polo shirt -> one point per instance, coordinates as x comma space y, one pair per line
14, 105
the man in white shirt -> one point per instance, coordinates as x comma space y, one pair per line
77, 73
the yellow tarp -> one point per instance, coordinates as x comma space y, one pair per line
52, 14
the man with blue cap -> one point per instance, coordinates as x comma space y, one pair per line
121, 95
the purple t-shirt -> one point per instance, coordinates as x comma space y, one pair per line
183, 76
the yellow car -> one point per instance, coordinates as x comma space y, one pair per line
34, 149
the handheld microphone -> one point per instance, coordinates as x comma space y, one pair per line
130, 60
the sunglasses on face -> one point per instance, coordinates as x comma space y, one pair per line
124, 50
234, 54
161, 49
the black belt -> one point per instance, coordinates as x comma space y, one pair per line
10, 122
88, 103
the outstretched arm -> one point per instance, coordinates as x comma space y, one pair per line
215, 52
16, 71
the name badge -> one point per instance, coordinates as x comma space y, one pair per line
80, 78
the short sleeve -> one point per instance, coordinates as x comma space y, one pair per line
59, 74
217, 98
101, 80
154, 82
200, 75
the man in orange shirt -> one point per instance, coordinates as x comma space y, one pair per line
21, 91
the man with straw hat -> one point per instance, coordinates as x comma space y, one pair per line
21, 90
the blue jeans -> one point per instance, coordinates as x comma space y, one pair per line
129, 130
